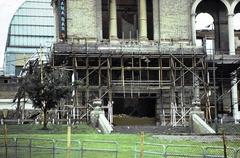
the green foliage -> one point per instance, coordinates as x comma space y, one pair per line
45, 87
77, 83
33, 129
47, 93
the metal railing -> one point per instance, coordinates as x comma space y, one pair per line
183, 151
150, 149
238, 153
56, 148
212, 152
94, 149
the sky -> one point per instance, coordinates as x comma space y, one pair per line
7, 10
205, 21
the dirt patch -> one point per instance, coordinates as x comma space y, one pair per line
206, 138
125, 120
152, 129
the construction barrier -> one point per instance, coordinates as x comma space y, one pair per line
56, 148
184, 151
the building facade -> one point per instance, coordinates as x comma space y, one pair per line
141, 58
31, 27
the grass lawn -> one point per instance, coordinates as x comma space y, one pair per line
84, 132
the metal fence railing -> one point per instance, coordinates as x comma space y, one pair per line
212, 152
182, 151
51, 148
94, 149
56, 148
238, 153
150, 150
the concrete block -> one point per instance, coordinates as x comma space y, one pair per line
98, 119
197, 123
199, 126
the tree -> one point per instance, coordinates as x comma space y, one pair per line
19, 95
45, 92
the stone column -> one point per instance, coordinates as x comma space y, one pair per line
113, 20
196, 93
194, 29
236, 113
99, 20
231, 35
156, 19
142, 20
159, 110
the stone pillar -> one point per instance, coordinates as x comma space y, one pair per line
110, 112
196, 93
142, 20
231, 35
194, 29
159, 110
99, 20
113, 20
156, 19
236, 113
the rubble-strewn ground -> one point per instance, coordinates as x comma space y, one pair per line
229, 129
202, 138
151, 129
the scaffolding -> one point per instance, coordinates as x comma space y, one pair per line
131, 69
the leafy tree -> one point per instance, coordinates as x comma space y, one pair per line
45, 92
19, 95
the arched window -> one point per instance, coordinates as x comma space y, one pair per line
205, 32
218, 30
237, 22
204, 21
237, 28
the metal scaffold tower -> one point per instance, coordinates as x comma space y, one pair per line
102, 70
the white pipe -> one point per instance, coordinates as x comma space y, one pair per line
231, 35
142, 20
194, 29
236, 113
113, 20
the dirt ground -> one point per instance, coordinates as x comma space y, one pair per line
228, 128
151, 129
202, 138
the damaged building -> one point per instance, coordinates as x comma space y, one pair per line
142, 58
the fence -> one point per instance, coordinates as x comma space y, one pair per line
94, 149
51, 148
151, 150
238, 153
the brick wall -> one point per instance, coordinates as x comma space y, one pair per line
175, 20
81, 19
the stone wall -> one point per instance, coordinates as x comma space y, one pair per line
84, 20
175, 19
81, 19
